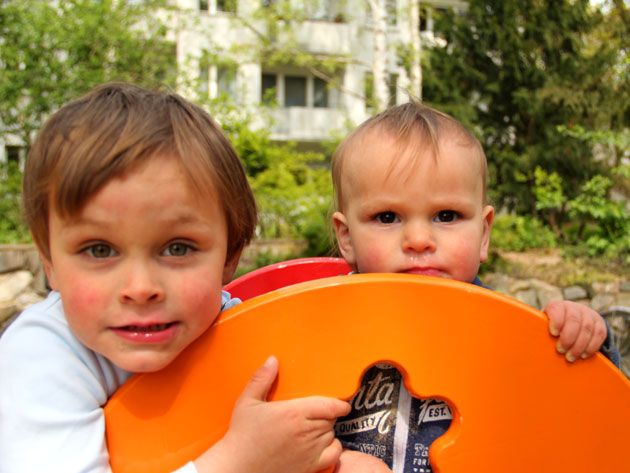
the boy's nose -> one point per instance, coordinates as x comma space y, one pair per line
140, 285
418, 238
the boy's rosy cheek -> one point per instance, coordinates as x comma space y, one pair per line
84, 298
201, 296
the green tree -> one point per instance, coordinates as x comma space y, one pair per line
515, 70
51, 52
292, 187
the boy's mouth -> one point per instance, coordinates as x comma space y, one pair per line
151, 333
147, 328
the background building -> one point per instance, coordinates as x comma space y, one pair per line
226, 47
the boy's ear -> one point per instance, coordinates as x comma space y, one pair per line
49, 270
230, 266
343, 238
488, 218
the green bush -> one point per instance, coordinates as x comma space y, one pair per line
591, 223
317, 238
519, 233
603, 224
292, 186
13, 229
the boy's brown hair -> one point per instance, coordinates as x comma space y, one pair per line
408, 123
114, 128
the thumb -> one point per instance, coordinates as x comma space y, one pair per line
262, 380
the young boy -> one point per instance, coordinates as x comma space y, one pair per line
410, 198
140, 208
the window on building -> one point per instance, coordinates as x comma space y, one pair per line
226, 81
391, 12
204, 80
294, 91
13, 153
228, 6
203, 5
317, 9
320, 93
392, 84
424, 18
436, 13
370, 99
268, 89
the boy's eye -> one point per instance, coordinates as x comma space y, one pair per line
100, 250
446, 216
177, 249
386, 217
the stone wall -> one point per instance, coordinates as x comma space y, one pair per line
23, 282
537, 293
278, 247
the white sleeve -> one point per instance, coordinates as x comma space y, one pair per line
52, 389
187, 468
52, 393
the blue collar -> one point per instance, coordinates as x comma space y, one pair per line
477, 282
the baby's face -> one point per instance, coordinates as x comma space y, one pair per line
140, 270
425, 215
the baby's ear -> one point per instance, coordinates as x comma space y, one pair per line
488, 218
230, 266
343, 238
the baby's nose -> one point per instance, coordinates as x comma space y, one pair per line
418, 237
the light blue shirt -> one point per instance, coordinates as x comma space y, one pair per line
52, 392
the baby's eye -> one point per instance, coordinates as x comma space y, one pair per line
177, 249
100, 250
386, 217
446, 216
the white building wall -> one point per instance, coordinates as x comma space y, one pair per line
353, 39
214, 31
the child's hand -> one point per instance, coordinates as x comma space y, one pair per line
294, 436
580, 330
357, 462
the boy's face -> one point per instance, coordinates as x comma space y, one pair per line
424, 215
140, 269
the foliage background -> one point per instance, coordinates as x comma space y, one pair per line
544, 84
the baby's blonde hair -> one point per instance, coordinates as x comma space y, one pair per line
408, 124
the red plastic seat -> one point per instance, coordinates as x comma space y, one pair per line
517, 405
275, 276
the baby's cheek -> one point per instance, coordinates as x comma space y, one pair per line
465, 260
374, 262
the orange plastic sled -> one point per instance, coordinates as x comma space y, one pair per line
517, 405
286, 273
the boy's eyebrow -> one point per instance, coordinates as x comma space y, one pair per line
183, 218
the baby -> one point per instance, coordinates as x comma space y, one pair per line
410, 197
